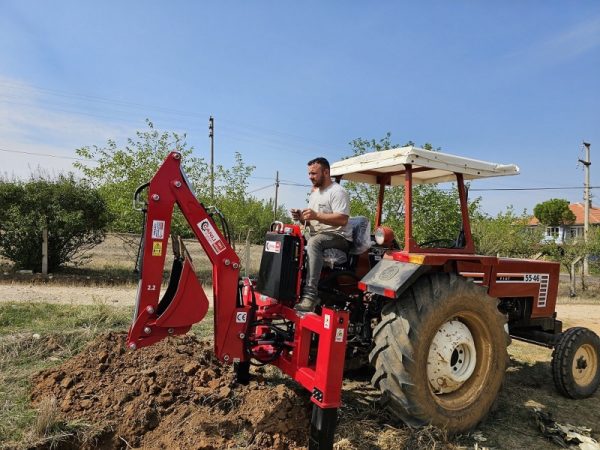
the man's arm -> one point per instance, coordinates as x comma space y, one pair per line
334, 219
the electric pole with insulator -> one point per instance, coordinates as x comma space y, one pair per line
211, 135
587, 199
276, 192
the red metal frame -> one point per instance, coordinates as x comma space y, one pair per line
320, 372
504, 277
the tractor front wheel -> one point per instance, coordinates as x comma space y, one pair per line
576, 363
440, 353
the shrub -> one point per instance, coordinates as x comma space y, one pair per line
74, 214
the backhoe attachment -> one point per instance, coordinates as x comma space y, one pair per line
249, 323
184, 301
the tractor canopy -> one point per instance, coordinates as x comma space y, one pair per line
427, 167
410, 166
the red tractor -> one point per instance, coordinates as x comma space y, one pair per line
433, 318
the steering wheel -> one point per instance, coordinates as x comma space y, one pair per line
435, 243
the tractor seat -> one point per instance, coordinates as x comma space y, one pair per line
361, 242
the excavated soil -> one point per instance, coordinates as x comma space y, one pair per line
173, 395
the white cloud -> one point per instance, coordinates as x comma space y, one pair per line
37, 121
562, 47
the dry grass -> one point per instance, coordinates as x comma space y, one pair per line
113, 262
34, 336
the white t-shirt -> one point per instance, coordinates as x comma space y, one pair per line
332, 199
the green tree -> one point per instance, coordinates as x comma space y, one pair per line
117, 171
436, 211
553, 213
507, 234
74, 214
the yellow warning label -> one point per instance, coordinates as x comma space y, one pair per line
156, 248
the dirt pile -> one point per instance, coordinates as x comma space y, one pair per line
173, 395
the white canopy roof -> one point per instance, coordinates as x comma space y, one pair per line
368, 167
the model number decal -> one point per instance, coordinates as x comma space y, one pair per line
241, 317
543, 279
531, 278
211, 236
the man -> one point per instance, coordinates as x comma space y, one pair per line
327, 219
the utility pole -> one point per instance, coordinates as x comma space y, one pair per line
211, 135
586, 207
276, 192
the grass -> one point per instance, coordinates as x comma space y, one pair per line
35, 336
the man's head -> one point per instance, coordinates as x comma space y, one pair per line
318, 172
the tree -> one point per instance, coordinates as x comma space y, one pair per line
507, 234
554, 212
74, 214
436, 211
118, 171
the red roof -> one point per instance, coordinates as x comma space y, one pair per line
578, 209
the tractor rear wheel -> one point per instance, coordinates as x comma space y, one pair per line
576, 363
440, 353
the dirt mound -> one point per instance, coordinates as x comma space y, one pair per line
173, 395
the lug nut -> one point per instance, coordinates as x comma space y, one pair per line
235, 265
227, 262
242, 335
150, 310
178, 184
155, 197
170, 331
147, 330
132, 346
176, 156
226, 358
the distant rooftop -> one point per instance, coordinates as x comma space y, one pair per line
579, 210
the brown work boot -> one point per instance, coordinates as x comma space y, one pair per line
307, 304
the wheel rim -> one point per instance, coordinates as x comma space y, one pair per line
585, 365
452, 357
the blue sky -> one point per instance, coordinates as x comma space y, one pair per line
505, 81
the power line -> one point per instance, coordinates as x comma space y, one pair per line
260, 189
45, 154
250, 128
532, 189
294, 183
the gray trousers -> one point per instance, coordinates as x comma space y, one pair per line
314, 252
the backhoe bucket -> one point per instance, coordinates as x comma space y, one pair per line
183, 304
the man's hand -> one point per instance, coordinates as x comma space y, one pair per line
309, 214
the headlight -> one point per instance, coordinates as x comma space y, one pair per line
384, 236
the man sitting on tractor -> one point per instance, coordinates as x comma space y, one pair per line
326, 218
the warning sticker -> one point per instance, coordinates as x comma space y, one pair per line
339, 335
211, 236
241, 317
273, 246
158, 229
156, 248
327, 321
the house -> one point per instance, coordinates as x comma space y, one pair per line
575, 230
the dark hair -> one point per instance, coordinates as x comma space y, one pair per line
321, 161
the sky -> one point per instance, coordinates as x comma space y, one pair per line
504, 81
